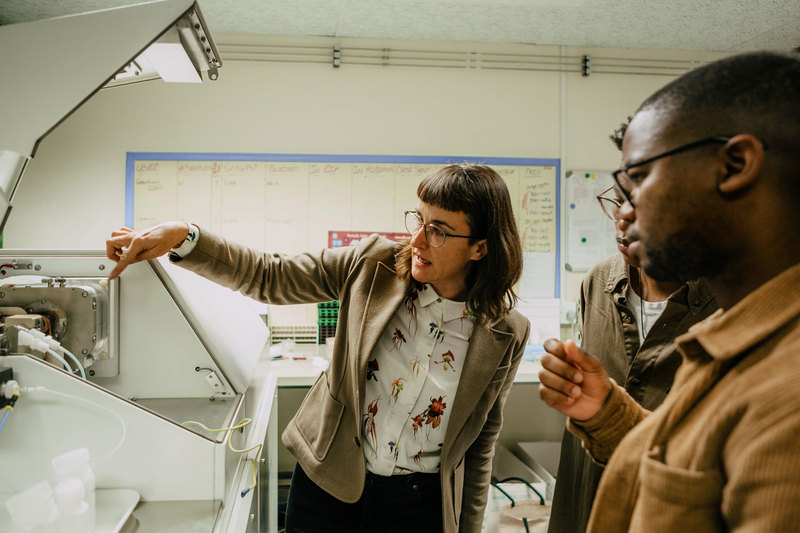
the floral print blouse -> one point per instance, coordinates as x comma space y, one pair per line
412, 377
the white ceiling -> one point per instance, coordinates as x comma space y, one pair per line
715, 25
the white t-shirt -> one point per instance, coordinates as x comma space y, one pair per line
647, 316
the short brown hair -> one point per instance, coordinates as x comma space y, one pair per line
481, 194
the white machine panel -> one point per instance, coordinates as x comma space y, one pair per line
224, 320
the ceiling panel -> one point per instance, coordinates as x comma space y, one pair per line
714, 25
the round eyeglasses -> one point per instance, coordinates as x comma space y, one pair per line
610, 202
435, 235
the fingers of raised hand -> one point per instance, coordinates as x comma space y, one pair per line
121, 231
117, 270
553, 364
560, 381
554, 398
115, 246
125, 250
581, 358
555, 347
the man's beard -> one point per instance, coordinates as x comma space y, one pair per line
683, 258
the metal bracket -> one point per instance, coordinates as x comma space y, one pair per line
217, 388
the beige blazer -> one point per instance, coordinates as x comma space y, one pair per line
325, 434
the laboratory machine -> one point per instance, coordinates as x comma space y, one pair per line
156, 384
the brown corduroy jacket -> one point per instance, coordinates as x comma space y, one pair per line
721, 452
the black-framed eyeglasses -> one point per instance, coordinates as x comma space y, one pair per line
433, 233
610, 204
625, 182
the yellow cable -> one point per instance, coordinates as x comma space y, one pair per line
240, 425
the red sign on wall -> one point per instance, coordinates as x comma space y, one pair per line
337, 239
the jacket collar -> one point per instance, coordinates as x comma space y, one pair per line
385, 296
694, 294
759, 314
487, 347
618, 276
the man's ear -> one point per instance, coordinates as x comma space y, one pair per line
743, 157
480, 251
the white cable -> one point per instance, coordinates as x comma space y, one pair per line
72, 396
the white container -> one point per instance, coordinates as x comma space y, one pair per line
70, 499
75, 464
34, 507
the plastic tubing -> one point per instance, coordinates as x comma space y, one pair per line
48, 341
60, 360
77, 362
5, 417
90, 402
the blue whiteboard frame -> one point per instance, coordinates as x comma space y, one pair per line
133, 157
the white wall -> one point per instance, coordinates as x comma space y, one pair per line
72, 195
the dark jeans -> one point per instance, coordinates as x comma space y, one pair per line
405, 503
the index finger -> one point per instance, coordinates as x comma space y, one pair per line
117, 270
558, 360
555, 347
122, 263
124, 258
575, 355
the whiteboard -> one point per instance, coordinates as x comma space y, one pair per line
590, 235
287, 203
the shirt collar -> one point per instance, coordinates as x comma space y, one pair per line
698, 294
694, 294
618, 277
759, 314
450, 309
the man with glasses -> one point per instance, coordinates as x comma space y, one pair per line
712, 166
398, 433
629, 320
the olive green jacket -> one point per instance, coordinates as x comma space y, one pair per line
609, 330
325, 434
